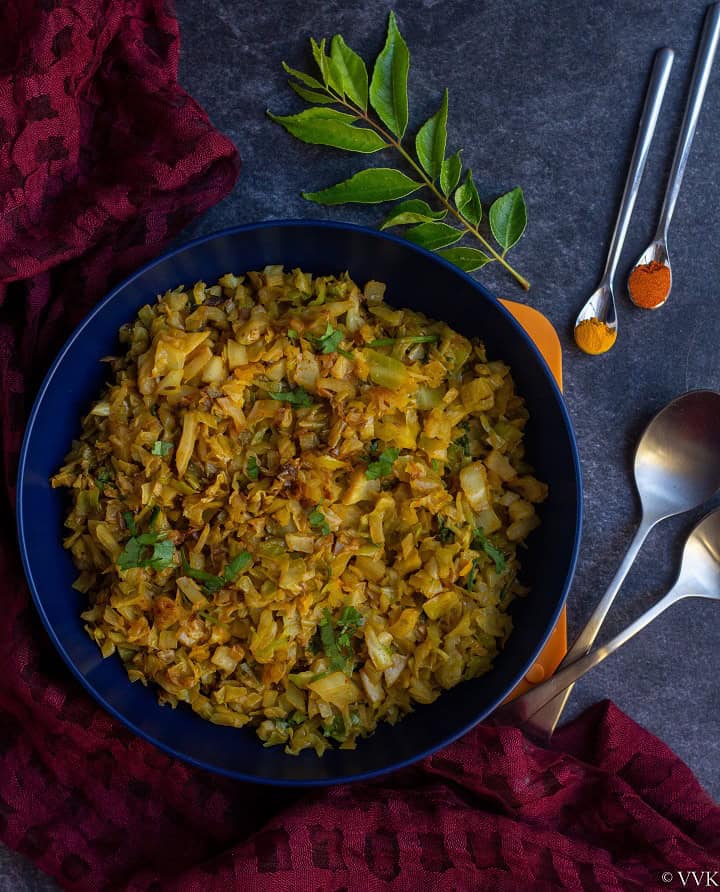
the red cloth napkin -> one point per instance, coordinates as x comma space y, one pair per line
102, 159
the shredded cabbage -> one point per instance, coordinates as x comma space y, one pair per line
298, 508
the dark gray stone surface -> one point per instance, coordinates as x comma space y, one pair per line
545, 95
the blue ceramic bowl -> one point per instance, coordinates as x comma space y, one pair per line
416, 279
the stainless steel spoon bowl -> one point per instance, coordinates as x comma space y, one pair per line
699, 577
677, 468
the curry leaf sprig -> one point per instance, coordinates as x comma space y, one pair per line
343, 82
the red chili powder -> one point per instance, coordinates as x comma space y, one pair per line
649, 284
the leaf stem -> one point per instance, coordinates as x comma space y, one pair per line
397, 144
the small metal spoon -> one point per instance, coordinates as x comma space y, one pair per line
699, 577
677, 468
601, 303
657, 249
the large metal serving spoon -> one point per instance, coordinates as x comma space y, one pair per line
677, 468
699, 577
657, 250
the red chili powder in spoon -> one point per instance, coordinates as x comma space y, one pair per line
649, 284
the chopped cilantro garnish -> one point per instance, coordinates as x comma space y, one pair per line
136, 551
161, 447
335, 729
435, 465
339, 650
209, 581
252, 469
470, 581
480, 540
330, 341
346, 353
464, 443
292, 334
238, 563
317, 521
349, 622
315, 644
506, 589
298, 397
327, 638
131, 555
445, 534
163, 553
383, 466
104, 476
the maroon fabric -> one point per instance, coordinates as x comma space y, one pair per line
102, 159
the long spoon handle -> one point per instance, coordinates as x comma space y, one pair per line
700, 77
646, 130
545, 722
526, 707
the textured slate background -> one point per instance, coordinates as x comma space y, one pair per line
544, 95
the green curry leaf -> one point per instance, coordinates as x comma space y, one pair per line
468, 259
353, 72
508, 218
433, 235
370, 186
467, 200
388, 87
414, 210
304, 78
450, 172
431, 140
327, 127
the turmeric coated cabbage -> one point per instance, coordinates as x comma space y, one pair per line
298, 508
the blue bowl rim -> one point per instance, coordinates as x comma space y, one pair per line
98, 309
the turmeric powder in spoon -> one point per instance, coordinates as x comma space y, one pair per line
594, 336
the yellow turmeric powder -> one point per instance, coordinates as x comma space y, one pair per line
594, 336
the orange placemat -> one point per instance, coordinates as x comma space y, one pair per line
546, 340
